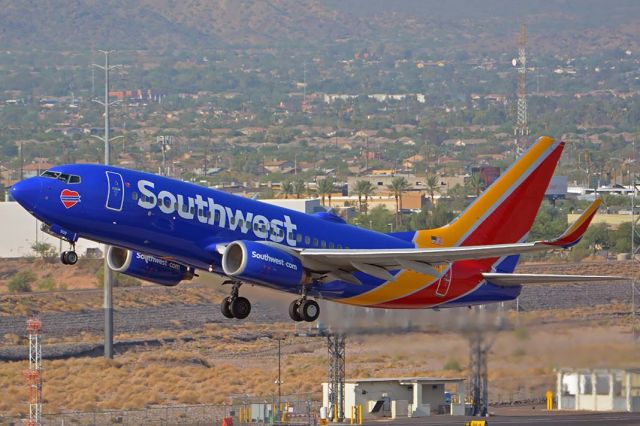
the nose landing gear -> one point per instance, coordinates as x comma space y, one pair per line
69, 257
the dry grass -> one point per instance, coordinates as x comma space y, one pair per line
215, 365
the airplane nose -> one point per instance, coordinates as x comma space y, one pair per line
27, 192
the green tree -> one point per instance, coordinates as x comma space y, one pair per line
433, 186
325, 188
475, 184
299, 188
399, 186
287, 189
363, 188
21, 281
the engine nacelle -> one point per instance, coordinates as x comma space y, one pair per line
255, 261
147, 267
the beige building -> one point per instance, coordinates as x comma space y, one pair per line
401, 397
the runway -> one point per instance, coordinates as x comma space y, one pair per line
562, 419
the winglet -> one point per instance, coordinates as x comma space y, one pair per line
574, 233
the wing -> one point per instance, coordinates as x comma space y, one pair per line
378, 262
508, 280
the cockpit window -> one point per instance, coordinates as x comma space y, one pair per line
64, 177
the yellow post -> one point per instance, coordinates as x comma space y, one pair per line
360, 414
549, 400
335, 412
353, 410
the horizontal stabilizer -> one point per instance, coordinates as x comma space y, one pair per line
517, 279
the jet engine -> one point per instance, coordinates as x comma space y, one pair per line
147, 267
256, 261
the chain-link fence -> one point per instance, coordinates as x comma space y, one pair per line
254, 411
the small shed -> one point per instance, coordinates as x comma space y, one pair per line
598, 389
401, 397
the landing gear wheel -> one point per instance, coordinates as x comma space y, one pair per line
309, 310
293, 310
225, 307
69, 257
240, 307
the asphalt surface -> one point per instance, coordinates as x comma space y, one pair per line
562, 419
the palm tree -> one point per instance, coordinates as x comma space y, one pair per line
398, 186
433, 186
365, 189
287, 189
298, 188
325, 187
475, 184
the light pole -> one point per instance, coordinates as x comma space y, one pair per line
108, 298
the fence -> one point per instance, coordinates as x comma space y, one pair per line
292, 412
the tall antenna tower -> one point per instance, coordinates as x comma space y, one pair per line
521, 130
34, 373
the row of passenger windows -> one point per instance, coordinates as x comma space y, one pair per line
64, 177
256, 227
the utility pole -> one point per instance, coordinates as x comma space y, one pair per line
107, 287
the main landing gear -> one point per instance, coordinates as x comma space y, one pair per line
69, 257
304, 309
235, 306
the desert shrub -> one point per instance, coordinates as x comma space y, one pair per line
521, 333
21, 282
46, 283
45, 250
452, 365
519, 352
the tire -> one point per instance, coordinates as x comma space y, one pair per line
309, 310
225, 307
63, 258
72, 257
293, 311
240, 307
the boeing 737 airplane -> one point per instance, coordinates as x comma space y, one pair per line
162, 230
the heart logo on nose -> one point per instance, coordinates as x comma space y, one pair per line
69, 198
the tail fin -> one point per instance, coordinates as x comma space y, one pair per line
504, 212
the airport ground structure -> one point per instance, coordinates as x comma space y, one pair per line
598, 389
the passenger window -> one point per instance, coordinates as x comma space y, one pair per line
134, 195
217, 216
307, 240
193, 210
299, 238
255, 226
241, 223
209, 214
323, 244
200, 212
290, 235
315, 242
331, 245
232, 220
339, 246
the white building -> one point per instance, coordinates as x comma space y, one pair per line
401, 397
598, 389
20, 231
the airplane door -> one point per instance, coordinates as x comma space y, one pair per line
115, 191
